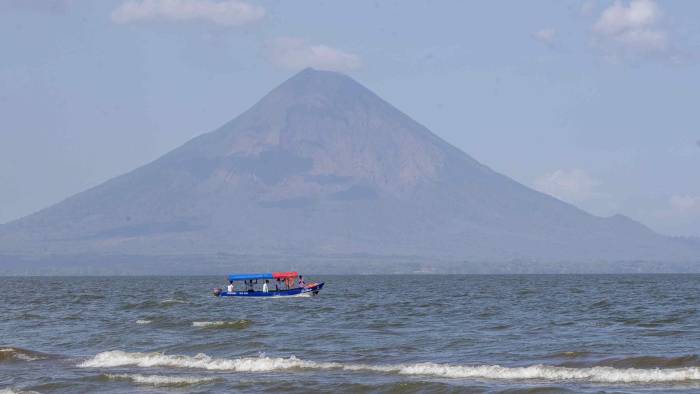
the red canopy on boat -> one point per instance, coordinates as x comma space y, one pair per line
284, 275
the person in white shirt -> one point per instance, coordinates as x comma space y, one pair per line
265, 286
301, 281
230, 286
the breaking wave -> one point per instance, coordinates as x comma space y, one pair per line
161, 380
144, 321
640, 362
10, 354
233, 324
598, 374
118, 358
16, 391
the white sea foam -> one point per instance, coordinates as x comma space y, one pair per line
222, 324
553, 373
117, 358
494, 372
162, 380
16, 391
142, 321
207, 323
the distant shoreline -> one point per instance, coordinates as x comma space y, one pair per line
207, 265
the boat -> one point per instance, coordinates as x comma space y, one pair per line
275, 281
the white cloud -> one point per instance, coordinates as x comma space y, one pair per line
573, 186
680, 206
545, 36
225, 12
638, 14
294, 54
633, 28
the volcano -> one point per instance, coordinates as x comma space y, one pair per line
322, 166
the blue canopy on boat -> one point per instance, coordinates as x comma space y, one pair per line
237, 277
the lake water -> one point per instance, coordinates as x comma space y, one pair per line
394, 334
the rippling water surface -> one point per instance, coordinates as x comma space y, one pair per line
480, 334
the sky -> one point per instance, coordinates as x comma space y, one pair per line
594, 102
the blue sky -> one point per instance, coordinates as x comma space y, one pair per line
594, 102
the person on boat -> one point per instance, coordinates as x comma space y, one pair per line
250, 286
265, 289
301, 281
230, 286
277, 285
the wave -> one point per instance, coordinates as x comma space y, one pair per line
118, 358
598, 374
690, 360
161, 380
537, 390
16, 391
152, 304
28, 316
10, 354
87, 297
570, 354
555, 373
582, 359
602, 304
233, 324
144, 321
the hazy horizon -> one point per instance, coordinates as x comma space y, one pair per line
580, 100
